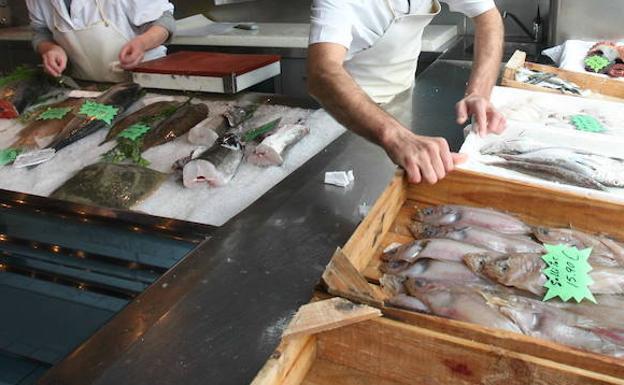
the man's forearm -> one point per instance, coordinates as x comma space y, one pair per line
336, 90
153, 37
489, 38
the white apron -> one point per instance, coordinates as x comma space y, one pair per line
94, 50
388, 67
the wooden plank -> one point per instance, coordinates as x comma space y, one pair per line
326, 315
371, 231
343, 279
408, 354
534, 204
512, 341
328, 373
289, 363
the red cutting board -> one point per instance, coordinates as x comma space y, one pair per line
191, 63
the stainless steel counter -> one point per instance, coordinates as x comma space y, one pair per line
218, 315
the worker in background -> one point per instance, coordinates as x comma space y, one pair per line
101, 38
364, 53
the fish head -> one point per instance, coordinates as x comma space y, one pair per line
477, 261
497, 270
444, 215
422, 230
405, 253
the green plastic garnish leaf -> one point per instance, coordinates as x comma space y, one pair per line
257, 132
126, 149
597, 63
567, 273
134, 132
20, 73
54, 113
99, 111
587, 123
8, 155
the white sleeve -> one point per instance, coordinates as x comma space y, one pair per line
331, 22
140, 12
36, 14
470, 8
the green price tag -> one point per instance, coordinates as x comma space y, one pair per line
596, 63
54, 113
134, 132
99, 111
8, 155
567, 273
587, 123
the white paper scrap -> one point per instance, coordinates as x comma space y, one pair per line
339, 178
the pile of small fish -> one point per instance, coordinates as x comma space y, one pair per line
549, 80
484, 266
558, 164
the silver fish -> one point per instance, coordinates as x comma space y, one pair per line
397, 295
606, 171
543, 320
462, 216
524, 271
399, 258
438, 270
513, 146
459, 302
605, 251
477, 261
270, 151
480, 237
551, 173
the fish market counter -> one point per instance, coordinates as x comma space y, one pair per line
218, 314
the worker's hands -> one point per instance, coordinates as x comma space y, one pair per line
132, 53
54, 59
423, 158
489, 120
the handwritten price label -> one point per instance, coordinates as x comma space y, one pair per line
567, 273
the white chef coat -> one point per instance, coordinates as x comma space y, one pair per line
127, 15
358, 24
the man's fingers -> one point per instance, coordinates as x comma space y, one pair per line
462, 112
49, 66
427, 171
445, 154
482, 120
459, 158
413, 173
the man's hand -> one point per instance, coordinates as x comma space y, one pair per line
423, 158
489, 120
54, 58
132, 53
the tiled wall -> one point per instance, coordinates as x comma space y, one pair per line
299, 11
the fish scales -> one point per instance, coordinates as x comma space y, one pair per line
176, 125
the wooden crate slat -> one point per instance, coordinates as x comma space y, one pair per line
408, 354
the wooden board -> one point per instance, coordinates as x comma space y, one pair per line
412, 355
602, 87
213, 64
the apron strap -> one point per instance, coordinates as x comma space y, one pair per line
102, 14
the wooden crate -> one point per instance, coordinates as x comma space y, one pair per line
602, 87
404, 347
